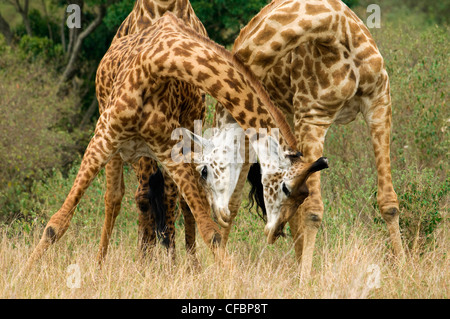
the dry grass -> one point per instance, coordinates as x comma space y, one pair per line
344, 268
352, 257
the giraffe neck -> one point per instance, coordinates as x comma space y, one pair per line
155, 9
193, 58
222, 118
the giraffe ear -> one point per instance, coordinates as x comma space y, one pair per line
298, 187
206, 144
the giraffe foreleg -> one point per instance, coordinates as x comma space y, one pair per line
186, 180
115, 189
307, 223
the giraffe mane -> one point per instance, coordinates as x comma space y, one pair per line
276, 114
256, 194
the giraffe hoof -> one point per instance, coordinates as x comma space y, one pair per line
216, 239
50, 234
390, 213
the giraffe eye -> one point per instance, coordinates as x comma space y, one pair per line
285, 190
204, 172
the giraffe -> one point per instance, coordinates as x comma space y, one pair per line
144, 14
150, 69
320, 66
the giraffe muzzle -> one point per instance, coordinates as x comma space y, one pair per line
274, 232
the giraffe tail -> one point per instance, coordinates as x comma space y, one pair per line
156, 198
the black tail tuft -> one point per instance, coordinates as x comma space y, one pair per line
158, 208
256, 194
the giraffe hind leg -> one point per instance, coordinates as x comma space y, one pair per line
167, 229
156, 200
146, 229
379, 121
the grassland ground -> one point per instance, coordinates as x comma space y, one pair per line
352, 260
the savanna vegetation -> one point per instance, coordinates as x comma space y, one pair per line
48, 111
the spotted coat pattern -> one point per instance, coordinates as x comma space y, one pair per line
148, 71
144, 14
321, 66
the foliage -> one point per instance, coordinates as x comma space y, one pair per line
421, 200
33, 48
35, 127
436, 11
224, 19
116, 13
40, 26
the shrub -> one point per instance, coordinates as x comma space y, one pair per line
34, 127
422, 199
33, 48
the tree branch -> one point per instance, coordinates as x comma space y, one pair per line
63, 34
71, 69
50, 33
23, 12
5, 30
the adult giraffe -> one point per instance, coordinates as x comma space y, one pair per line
320, 66
144, 14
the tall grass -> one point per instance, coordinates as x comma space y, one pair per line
348, 264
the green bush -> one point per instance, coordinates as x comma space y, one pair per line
39, 25
421, 200
33, 48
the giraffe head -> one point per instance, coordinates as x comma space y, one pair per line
279, 185
219, 166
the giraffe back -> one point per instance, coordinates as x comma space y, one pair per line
144, 14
